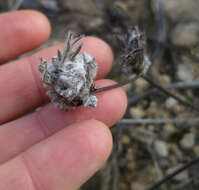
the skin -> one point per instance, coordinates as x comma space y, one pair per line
49, 149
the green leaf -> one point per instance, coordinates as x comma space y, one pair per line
59, 55
42, 65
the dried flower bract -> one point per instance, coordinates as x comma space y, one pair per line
69, 76
135, 58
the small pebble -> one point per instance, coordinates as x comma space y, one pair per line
186, 34
49, 4
95, 23
171, 103
196, 150
127, 87
141, 84
176, 151
126, 139
184, 73
137, 112
138, 186
188, 141
161, 148
169, 130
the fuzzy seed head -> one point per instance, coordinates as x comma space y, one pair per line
69, 76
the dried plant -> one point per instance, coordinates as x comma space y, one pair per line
135, 58
69, 76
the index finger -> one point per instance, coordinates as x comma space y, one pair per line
22, 31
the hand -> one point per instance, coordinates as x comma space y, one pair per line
49, 149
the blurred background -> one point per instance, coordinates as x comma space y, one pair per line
157, 134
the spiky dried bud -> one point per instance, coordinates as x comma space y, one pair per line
69, 76
135, 59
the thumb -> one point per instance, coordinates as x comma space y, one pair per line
63, 161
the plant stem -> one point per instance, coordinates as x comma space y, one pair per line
176, 172
150, 81
116, 85
178, 85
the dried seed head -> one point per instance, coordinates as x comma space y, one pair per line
135, 59
69, 76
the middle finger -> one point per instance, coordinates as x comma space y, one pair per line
26, 131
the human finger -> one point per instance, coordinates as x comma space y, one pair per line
63, 161
21, 87
22, 31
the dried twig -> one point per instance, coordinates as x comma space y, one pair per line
16, 5
116, 85
141, 135
176, 172
116, 173
178, 85
156, 163
158, 121
112, 168
11, 5
115, 157
106, 177
183, 102
161, 31
162, 89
